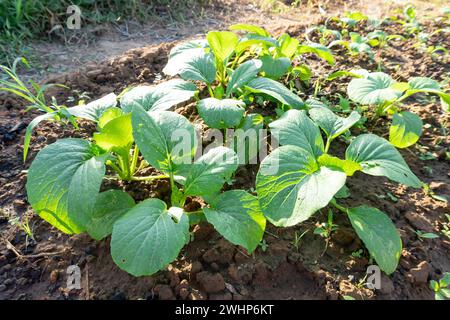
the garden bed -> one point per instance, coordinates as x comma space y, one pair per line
211, 267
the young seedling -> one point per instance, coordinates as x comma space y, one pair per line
446, 227
381, 39
301, 177
425, 235
297, 239
23, 225
326, 228
441, 288
380, 90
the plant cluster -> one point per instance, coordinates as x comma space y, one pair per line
224, 74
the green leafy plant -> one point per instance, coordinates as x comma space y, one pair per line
425, 235
357, 44
380, 90
217, 61
326, 228
410, 23
441, 288
381, 40
23, 224
279, 56
148, 235
301, 177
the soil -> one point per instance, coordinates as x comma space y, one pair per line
210, 267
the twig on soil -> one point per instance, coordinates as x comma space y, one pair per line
11, 247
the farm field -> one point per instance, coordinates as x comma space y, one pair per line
112, 172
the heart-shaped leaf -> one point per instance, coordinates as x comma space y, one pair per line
161, 97
63, 182
380, 158
93, 110
166, 139
146, 239
199, 66
275, 68
374, 89
295, 128
331, 124
221, 114
109, 206
209, 172
405, 129
242, 75
277, 91
291, 186
236, 215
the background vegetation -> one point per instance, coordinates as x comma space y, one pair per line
22, 20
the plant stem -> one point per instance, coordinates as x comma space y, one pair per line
134, 160
116, 169
149, 178
327, 145
211, 93
336, 205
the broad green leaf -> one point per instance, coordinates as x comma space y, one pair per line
342, 73
29, 130
65, 174
318, 49
347, 166
161, 97
222, 44
379, 235
181, 53
242, 75
422, 83
445, 101
166, 139
287, 45
250, 29
247, 139
221, 114
146, 239
236, 215
314, 103
109, 206
255, 40
427, 85
200, 66
275, 68
380, 158
331, 124
109, 115
276, 90
116, 134
295, 128
184, 47
209, 172
93, 110
374, 89
291, 186
405, 129
84, 188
